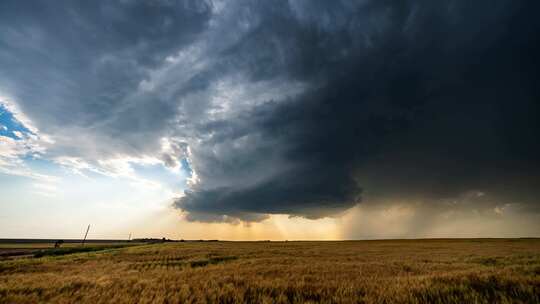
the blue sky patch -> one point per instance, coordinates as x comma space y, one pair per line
186, 167
9, 125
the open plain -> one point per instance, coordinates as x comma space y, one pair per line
389, 271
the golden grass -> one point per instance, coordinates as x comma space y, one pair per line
398, 271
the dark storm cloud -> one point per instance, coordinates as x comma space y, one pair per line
410, 99
293, 107
78, 64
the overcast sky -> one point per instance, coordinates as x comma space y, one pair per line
270, 119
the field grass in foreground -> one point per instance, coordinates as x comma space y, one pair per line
23, 249
397, 271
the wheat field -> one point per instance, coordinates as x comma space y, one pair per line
393, 271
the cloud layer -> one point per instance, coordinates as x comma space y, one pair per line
304, 108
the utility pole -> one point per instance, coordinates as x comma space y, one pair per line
85, 235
